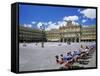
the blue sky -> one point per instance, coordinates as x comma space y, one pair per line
35, 16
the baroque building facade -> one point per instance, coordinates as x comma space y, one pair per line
72, 33
31, 35
88, 34
53, 35
68, 33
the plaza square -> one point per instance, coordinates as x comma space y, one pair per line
34, 57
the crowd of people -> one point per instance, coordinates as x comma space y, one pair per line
71, 57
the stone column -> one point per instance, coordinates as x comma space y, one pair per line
70, 39
75, 39
79, 40
63, 39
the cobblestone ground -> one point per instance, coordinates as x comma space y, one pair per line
34, 57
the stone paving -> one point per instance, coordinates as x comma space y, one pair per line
34, 57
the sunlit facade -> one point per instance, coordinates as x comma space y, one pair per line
53, 35
72, 33
68, 33
88, 34
27, 34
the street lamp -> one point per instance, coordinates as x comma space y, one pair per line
43, 29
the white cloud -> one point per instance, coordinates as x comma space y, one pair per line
50, 22
39, 24
25, 25
45, 23
75, 23
83, 21
33, 22
89, 13
28, 25
62, 23
52, 26
72, 18
58, 24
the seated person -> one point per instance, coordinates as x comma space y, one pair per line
76, 55
93, 46
67, 58
86, 49
62, 58
82, 49
77, 52
58, 59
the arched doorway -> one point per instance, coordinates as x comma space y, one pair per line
61, 40
65, 40
77, 39
73, 39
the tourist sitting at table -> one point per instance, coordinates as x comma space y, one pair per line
82, 49
62, 58
86, 50
76, 55
58, 60
68, 57
68, 60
